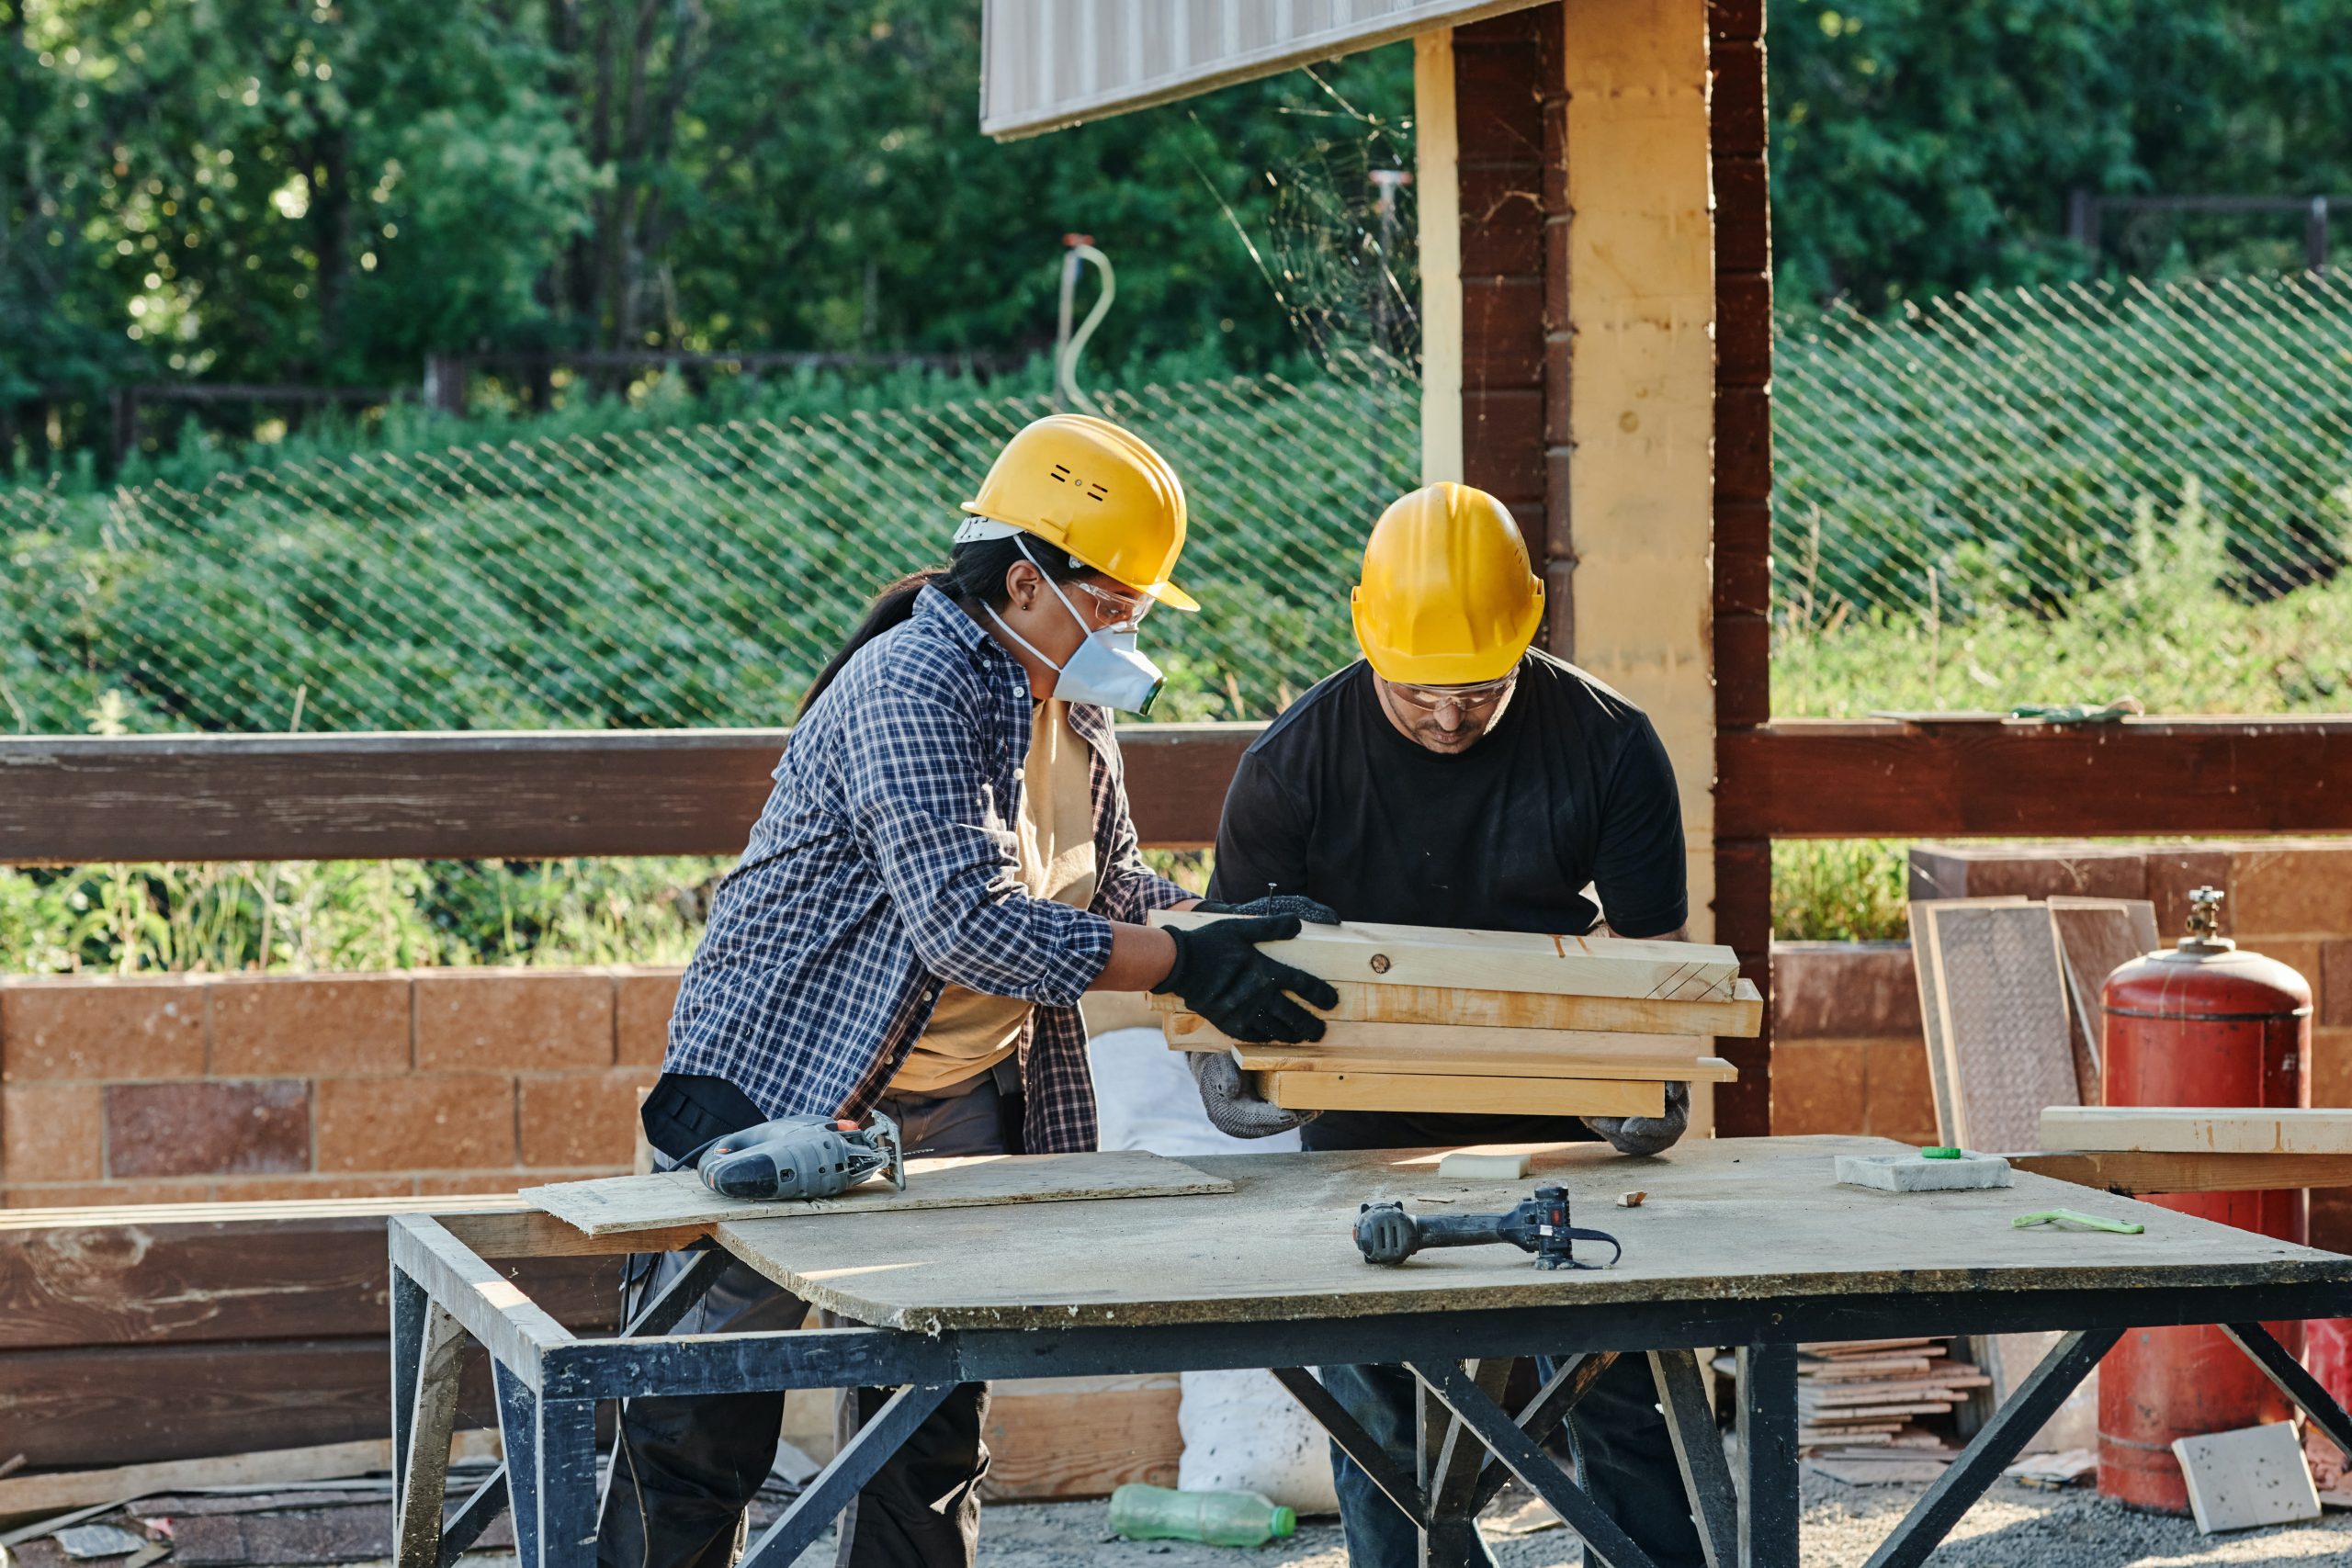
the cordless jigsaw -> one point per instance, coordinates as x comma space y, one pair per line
802, 1156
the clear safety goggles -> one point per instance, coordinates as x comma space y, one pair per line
1116, 611
1470, 701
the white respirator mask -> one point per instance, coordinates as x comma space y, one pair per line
1106, 669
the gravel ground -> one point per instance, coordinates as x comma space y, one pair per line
2012, 1528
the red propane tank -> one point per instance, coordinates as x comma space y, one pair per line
2201, 1024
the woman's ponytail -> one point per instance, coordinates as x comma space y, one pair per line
973, 574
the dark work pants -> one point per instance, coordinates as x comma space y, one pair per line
685, 1470
1625, 1459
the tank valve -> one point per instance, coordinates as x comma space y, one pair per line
2205, 920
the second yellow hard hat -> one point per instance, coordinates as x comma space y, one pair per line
1097, 491
1447, 598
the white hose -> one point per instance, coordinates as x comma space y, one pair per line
1073, 343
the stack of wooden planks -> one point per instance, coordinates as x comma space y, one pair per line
1463, 1021
1861, 1399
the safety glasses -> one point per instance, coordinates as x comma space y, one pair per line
1116, 611
1472, 700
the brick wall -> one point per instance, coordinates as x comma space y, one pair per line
227, 1088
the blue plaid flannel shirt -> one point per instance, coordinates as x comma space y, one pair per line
885, 866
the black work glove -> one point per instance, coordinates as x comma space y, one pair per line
1220, 974
1297, 904
1647, 1134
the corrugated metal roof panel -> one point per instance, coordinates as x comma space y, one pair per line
1048, 63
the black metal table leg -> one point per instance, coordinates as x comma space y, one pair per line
2297, 1385
1352, 1439
1570, 1383
1768, 1510
1981, 1463
1603, 1539
812, 1513
1699, 1453
518, 1434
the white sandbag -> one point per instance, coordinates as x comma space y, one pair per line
1243, 1433
1144, 1097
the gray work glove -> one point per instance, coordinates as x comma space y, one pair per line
1647, 1134
1297, 904
1233, 1110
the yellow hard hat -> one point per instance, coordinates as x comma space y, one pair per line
1447, 597
1097, 492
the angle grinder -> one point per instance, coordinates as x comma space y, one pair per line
1386, 1234
801, 1156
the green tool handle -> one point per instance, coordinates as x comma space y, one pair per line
2076, 1217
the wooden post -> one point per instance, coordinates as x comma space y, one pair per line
1633, 424
1438, 204
1505, 70
1743, 489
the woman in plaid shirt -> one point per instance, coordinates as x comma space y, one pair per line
945, 865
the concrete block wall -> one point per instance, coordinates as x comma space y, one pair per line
189, 1088
1847, 1053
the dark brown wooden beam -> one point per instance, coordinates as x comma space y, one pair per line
73, 800
1840, 779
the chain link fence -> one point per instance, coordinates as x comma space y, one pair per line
2082, 478
2049, 494
697, 576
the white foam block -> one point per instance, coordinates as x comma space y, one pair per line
1476, 1165
1915, 1173
2257, 1475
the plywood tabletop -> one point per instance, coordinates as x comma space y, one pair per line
1742, 1218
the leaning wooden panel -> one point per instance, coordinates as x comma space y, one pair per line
1500, 960
1191, 1031
1741, 1016
1448, 1095
2197, 1129
2002, 997
2096, 937
673, 1198
1483, 1065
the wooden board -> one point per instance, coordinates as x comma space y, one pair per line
2095, 936
1481, 1065
2198, 1129
2001, 998
2141, 1171
1499, 961
1455, 1095
1727, 1219
1190, 1031
1740, 1017
43, 1494
1055, 1439
618, 1203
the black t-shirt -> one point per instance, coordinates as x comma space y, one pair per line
1571, 789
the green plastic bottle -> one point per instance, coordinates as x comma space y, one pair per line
1220, 1518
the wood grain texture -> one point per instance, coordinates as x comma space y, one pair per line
1369, 952
2138, 1171
1463, 1008
44, 1494
1051, 1440
2095, 936
666, 1199
112, 1404
1441, 1043
1839, 778
1535, 1070
68, 800
1727, 1219
1461, 1095
181, 1278
2196, 1130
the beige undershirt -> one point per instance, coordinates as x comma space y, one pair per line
971, 1031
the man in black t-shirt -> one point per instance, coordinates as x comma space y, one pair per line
1461, 777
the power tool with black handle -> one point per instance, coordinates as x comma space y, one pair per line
1387, 1234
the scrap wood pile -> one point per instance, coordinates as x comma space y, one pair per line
1861, 1400
1438, 1019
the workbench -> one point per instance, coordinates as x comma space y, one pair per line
1742, 1243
